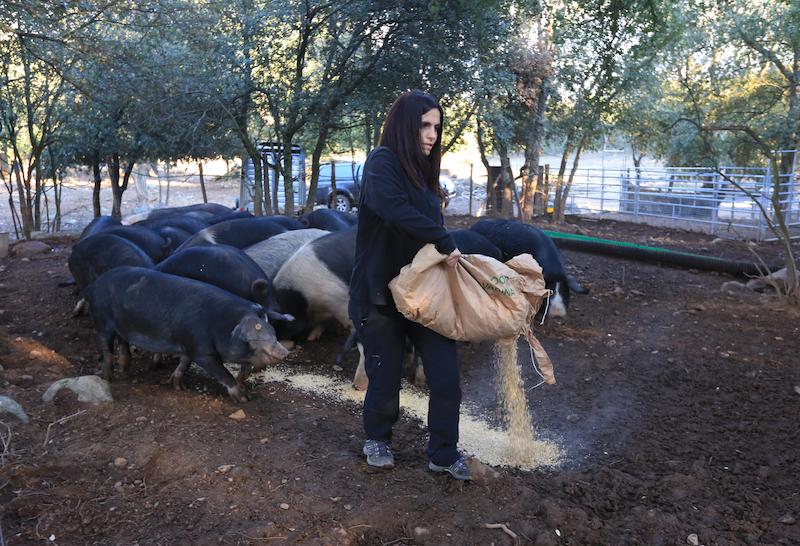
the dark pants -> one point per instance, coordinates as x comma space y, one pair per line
383, 330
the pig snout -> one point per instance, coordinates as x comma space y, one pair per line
266, 353
276, 351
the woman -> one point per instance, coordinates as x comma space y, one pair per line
399, 211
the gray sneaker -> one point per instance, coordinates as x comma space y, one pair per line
459, 469
378, 454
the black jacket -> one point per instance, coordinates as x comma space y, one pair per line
395, 220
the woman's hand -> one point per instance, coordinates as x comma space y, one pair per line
453, 257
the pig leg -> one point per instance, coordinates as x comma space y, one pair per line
212, 364
419, 373
177, 375
79, 307
107, 343
157, 361
414, 362
244, 373
124, 357
316, 332
351, 340
360, 381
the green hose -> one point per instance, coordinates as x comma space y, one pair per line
633, 251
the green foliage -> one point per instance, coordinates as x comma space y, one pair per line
604, 49
730, 64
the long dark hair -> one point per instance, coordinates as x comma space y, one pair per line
401, 135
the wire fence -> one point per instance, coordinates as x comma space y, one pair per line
737, 200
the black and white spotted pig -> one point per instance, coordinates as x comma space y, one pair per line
270, 255
313, 284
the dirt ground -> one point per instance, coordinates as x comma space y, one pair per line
677, 407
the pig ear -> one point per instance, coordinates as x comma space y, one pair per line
575, 286
260, 290
244, 330
274, 315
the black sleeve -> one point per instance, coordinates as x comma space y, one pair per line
385, 194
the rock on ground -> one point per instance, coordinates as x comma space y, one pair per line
26, 249
8, 405
89, 388
733, 287
769, 282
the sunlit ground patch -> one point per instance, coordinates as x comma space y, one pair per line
478, 438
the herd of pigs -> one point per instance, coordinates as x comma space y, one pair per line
211, 285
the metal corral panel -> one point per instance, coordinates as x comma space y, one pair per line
271, 151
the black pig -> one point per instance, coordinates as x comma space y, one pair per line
165, 313
241, 232
329, 220
228, 268
515, 238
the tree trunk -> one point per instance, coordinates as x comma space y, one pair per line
116, 194
332, 203
271, 195
127, 175
288, 179
272, 175
784, 235
23, 190
376, 133
9, 185
118, 186
489, 209
58, 186
506, 180
160, 185
457, 134
46, 225
790, 139
533, 153
562, 169
637, 163
258, 177
367, 134
542, 190
56, 225
790, 134
565, 189
37, 199
202, 181
169, 182
248, 32
275, 172
97, 183
15, 219
316, 156
258, 184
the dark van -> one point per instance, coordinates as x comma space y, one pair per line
348, 185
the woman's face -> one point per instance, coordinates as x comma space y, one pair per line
429, 130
